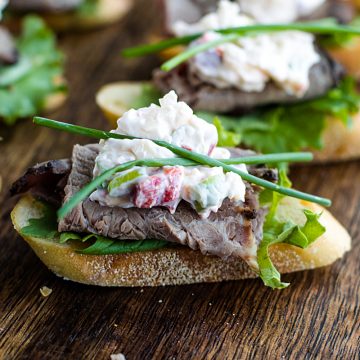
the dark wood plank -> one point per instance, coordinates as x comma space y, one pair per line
317, 317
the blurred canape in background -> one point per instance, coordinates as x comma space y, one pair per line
64, 15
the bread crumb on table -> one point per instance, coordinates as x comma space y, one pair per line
45, 291
117, 356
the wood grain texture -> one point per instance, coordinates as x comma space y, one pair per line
317, 317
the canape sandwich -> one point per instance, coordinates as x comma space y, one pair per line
70, 14
278, 11
272, 86
31, 71
157, 202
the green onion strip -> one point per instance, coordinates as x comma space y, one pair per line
186, 155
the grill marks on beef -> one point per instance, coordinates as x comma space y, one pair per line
234, 231
204, 96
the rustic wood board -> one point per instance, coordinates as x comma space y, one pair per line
316, 317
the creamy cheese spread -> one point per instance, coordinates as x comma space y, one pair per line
252, 61
279, 11
205, 188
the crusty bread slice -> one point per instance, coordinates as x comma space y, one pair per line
348, 56
178, 266
109, 11
340, 143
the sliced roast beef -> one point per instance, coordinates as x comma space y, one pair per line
44, 5
234, 231
8, 52
204, 96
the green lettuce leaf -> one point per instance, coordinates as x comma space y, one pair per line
25, 86
275, 232
289, 128
226, 138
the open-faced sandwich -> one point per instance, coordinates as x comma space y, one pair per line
277, 85
157, 202
263, 11
31, 71
277, 11
70, 14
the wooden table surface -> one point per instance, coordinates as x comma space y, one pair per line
316, 317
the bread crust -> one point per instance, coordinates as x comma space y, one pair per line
177, 266
340, 143
348, 55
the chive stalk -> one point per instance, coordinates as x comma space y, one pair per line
94, 184
321, 27
190, 155
194, 50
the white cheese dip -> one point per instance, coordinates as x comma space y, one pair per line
252, 61
205, 188
279, 11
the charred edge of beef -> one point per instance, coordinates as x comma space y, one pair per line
46, 181
203, 96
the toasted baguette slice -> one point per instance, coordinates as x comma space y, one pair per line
340, 142
348, 56
181, 265
108, 11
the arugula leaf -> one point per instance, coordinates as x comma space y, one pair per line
44, 227
289, 128
105, 246
68, 236
25, 86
